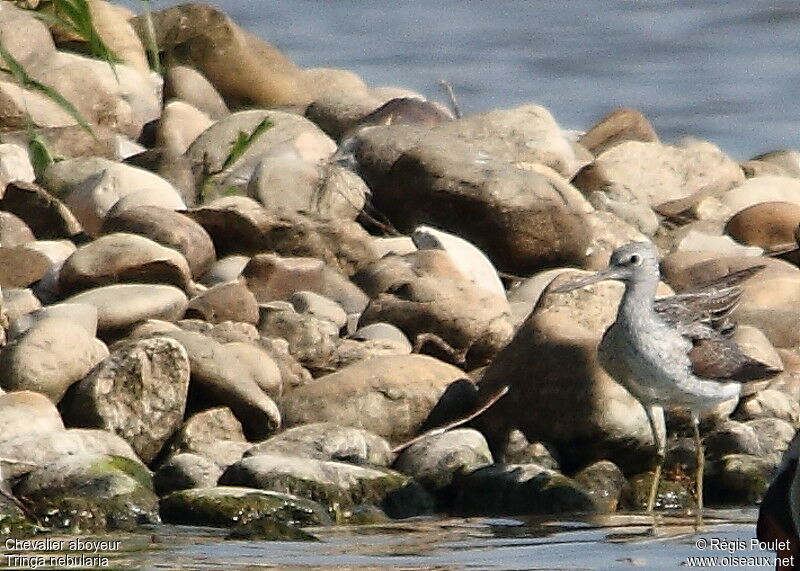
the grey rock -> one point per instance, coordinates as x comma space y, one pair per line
436, 460
770, 403
327, 441
517, 489
184, 471
316, 305
732, 438
139, 392
224, 270
50, 357
230, 301
604, 482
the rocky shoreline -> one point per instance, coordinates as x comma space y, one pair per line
231, 299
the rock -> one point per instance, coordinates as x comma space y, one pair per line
287, 131
23, 106
179, 126
224, 270
27, 452
337, 287
773, 434
15, 164
604, 482
228, 506
235, 332
770, 403
316, 305
437, 460
215, 434
520, 451
383, 331
120, 98
169, 228
80, 314
333, 484
17, 302
779, 325
267, 529
230, 301
698, 241
139, 392
272, 277
96, 185
191, 86
739, 479
787, 160
25, 37
239, 227
619, 126
184, 471
760, 189
21, 266
262, 367
111, 24
755, 344
72, 141
327, 441
91, 493
607, 421
469, 260
312, 341
522, 219
650, 173
732, 438
670, 496
767, 224
27, 413
122, 257
349, 351
219, 377
243, 68
427, 298
45, 215
13, 231
48, 358
389, 396
517, 489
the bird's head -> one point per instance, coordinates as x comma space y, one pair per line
629, 263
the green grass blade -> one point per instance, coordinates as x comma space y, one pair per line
41, 157
150, 38
243, 142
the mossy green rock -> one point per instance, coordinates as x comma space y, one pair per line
671, 495
91, 493
517, 489
229, 506
334, 484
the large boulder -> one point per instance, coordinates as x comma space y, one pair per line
50, 357
215, 434
138, 392
523, 218
390, 396
551, 367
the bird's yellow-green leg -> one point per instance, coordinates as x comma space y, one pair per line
652, 412
699, 472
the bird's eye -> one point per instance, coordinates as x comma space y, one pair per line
635, 259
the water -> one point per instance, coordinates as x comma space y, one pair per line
723, 70
605, 542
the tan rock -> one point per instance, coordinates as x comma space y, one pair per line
760, 189
619, 126
767, 224
191, 86
389, 396
179, 126
45, 215
230, 301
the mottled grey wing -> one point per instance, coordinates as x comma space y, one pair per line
702, 315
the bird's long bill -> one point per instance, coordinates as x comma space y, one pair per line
609, 273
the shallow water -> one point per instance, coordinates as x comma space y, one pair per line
607, 542
724, 70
